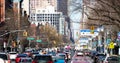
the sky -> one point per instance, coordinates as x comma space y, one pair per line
75, 14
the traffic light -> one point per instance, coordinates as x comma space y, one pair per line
92, 30
24, 33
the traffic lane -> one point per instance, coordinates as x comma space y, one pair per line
82, 59
72, 54
12, 61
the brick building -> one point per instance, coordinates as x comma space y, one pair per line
2, 11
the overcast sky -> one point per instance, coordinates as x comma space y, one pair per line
75, 14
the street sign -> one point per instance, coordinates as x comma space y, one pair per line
111, 45
39, 41
30, 38
88, 32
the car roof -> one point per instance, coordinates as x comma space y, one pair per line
43, 55
60, 53
12, 52
3, 53
22, 55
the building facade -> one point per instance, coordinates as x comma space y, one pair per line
62, 6
45, 11
2, 10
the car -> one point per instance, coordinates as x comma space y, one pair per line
99, 57
25, 60
112, 59
5, 57
79, 54
62, 55
86, 52
29, 53
42, 59
1, 60
52, 53
34, 53
13, 55
19, 57
59, 59
93, 53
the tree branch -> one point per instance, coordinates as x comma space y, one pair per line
111, 5
113, 19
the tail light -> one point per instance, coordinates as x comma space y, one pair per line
34, 61
17, 60
50, 62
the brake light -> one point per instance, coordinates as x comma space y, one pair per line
34, 61
50, 62
17, 60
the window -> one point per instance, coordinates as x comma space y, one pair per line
43, 10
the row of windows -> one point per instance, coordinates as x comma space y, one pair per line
47, 15
33, 19
45, 19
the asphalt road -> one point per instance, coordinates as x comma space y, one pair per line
72, 54
89, 60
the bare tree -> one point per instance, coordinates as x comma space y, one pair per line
105, 12
50, 33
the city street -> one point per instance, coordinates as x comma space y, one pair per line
60, 31
86, 58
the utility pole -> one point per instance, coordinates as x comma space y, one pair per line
82, 14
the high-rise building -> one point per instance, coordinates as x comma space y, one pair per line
2, 11
62, 6
45, 11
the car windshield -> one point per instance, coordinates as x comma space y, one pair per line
35, 53
100, 55
25, 60
60, 58
43, 58
22, 55
3, 56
